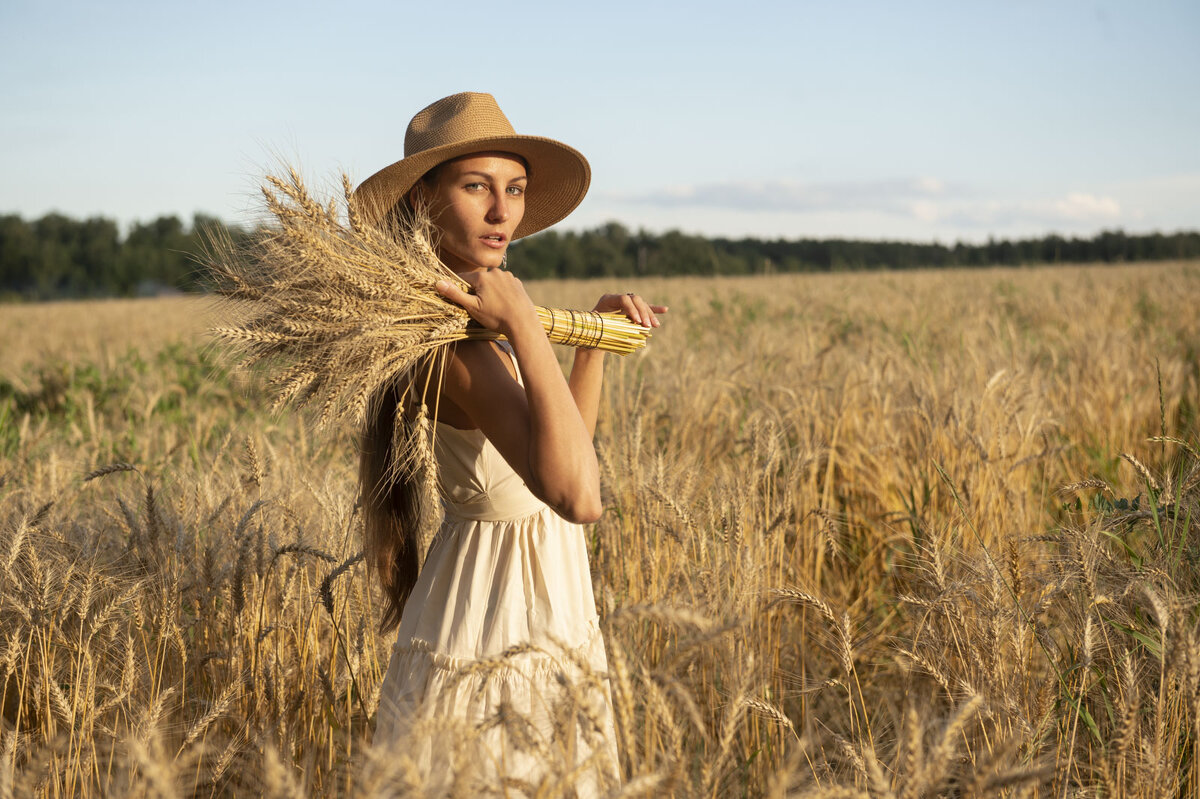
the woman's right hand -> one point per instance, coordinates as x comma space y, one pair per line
497, 300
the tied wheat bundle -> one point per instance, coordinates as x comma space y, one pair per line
349, 307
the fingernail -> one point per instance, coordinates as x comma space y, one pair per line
441, 285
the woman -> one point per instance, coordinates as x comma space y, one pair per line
498, 637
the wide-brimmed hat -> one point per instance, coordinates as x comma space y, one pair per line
472, 122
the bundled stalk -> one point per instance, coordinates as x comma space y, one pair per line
349, 307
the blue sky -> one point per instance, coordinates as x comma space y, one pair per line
914, 120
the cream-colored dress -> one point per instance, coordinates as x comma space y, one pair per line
498, 674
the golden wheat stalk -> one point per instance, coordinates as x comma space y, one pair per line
350, 306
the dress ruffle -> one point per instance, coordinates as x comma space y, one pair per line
517, 663
526, 713
528, 681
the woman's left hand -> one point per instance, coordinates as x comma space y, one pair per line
633, 306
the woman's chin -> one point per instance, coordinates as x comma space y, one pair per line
491, 262
493, 257
476, 261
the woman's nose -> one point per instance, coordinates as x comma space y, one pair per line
498, 212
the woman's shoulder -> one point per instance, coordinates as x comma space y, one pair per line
475, 373
479, 358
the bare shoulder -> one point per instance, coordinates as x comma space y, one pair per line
468, 362
479, 380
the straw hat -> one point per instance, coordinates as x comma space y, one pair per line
472, 122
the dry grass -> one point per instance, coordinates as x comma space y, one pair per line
94, 331
836, 559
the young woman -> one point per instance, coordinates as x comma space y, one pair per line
497, 629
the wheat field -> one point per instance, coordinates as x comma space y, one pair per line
878, 534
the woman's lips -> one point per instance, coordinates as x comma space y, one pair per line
494, 240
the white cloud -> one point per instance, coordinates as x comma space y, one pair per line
1087, 207
925, 211
923, 199
920, 208
930, 185
894, 196
1074, 211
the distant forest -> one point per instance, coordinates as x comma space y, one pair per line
57, 257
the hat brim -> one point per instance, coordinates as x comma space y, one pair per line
559, 176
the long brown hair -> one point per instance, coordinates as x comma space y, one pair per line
395, 497
390, 506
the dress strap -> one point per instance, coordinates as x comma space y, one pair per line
512, 356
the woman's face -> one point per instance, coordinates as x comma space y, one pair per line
477, 201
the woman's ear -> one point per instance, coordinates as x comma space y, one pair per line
417, 198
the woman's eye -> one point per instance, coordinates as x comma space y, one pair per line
516, 191
474, 186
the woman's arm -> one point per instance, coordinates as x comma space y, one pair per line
587, 373
539, 430
587, 379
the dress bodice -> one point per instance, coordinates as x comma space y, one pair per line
475, 481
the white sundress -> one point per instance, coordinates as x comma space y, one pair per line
504, 574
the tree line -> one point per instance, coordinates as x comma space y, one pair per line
614, 250
56, 256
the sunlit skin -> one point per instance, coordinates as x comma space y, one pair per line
544, 428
